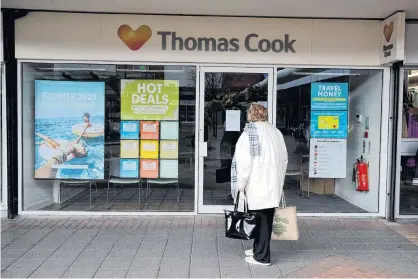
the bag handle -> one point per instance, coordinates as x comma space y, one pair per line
245, 202
283, 201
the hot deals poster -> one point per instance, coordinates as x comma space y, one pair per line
69, 128
149, 99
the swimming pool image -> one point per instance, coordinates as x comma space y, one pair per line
61, 131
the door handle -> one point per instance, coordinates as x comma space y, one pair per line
203, 149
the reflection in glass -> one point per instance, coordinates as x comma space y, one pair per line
224, 92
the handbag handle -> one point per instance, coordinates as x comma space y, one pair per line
245, 202
283, 201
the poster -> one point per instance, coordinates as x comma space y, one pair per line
69, 129
129, 168
149, 130
129, 149
169, 169
329, 124
328, 158
233, 120
129, 130
149, 149
329, 96
169, 149
169, 130
143, 99
149, 168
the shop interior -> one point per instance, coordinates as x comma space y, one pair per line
408, 196
224, 91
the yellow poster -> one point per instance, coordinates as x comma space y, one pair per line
149, 149
328, 122
169, 149
129, 149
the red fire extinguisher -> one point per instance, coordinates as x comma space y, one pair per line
361, 175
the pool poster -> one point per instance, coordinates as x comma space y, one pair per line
69, 129
143, 99
329, 96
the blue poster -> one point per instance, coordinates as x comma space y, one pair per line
329, 96
129, 168
329, 124
69, 129
129, 130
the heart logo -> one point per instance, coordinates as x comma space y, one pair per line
134, 39
388, 30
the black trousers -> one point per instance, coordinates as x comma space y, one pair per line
263, 232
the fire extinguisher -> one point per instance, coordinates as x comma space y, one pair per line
361, 175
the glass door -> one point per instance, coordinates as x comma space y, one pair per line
225, 96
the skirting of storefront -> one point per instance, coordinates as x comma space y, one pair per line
383, 167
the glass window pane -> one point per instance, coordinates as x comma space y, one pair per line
296, 120
410, 105
81, 141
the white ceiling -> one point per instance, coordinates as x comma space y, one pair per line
376, 9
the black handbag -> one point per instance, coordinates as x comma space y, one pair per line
240, 225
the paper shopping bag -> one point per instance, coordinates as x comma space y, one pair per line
285, 224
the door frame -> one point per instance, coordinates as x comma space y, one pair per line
201, 146
403, 145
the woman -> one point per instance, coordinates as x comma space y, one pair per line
258, 169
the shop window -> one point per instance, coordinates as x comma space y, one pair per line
408, 193
330, 118
107, 137
410, 106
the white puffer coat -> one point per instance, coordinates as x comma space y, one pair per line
262, 176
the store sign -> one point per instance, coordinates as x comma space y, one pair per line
194, 39
171, 40
327, 158
149, 99
392, 39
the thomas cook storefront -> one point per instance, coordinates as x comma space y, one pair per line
134, 114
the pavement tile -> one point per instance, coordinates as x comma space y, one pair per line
357, 247
85, 263
93, 253
63, 253
17, 272
142, 273
111, 273
57, 263
204, 263
265, 272
407, 247
27, 263
235, 272
79, 273
6, 262
38, 253
205, 272
139, 263
121, 254
48, 273
180, 272
116, 263
149, 254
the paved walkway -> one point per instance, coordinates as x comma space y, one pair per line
184, 247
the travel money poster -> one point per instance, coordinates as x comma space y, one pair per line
329, 96
328, 130
149, 99
69, 129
